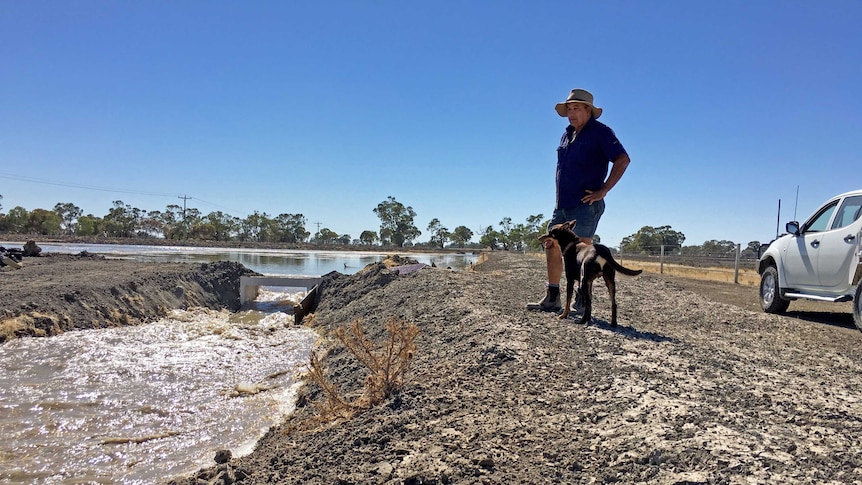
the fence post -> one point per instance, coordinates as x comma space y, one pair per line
661, 261
736, 265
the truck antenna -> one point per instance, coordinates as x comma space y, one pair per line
778, 221
797, 203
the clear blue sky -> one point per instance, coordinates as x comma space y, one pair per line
327, 108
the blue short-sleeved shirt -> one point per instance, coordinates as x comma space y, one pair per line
582, 163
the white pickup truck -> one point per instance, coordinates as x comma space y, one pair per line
818, 260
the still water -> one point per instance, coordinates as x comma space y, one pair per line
265, 261
140, 404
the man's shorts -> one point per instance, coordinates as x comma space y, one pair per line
586, 215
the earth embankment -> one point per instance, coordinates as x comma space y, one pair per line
60, 292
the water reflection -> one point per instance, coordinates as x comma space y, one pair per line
266, 261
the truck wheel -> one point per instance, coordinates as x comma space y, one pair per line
857, 306
770, 294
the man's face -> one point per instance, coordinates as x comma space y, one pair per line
578, 114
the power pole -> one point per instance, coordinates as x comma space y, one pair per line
185, 224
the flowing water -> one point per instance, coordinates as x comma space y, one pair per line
140, 404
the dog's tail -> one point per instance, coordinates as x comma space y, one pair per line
622, 269
605, 253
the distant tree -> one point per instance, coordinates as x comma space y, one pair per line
327, 236
151, 224
89, 225
223, 225
122, 220
650, 240
718, 248
44, 222
68, 214
1, 205
490, 238
439, 234
17, 219
343, 239
290, 228
256, 227
753, 249
195, 226
172, 222
534, 228
505, 233
368, 237
461, 235
396, 222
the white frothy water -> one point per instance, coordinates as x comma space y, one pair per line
140, 404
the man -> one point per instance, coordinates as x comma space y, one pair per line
586, 150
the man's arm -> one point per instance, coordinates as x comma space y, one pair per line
621, 163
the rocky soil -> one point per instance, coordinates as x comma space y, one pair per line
686, 390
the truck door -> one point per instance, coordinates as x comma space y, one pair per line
838, 245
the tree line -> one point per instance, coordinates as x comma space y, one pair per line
397, 228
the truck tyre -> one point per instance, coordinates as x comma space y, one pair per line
857, 306
770, 293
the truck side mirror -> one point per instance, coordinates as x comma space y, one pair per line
792, 228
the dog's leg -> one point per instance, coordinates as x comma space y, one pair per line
586, 293
610, 282
572, 275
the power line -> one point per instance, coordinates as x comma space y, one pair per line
115, 190
81, 186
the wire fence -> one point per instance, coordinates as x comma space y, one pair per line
735, 266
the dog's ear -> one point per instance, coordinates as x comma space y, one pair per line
570, 225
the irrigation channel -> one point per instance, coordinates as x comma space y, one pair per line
140, 404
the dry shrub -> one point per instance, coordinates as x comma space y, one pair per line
387, 364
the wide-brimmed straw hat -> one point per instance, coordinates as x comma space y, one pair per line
578, 96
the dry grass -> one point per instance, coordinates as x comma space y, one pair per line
387, 364
747, 276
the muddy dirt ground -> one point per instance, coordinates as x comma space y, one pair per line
695, 385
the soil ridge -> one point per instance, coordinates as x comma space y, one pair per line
55, 293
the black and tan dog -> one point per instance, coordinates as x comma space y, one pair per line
584, 263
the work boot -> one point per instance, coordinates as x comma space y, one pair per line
550, 303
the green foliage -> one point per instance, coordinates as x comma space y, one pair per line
326, 236
368, 238
122, 220
68, 214
44, 222
439, 234
461, 235
490, 238
17, 220
396, 222
290, 228
649, 240
89, 225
